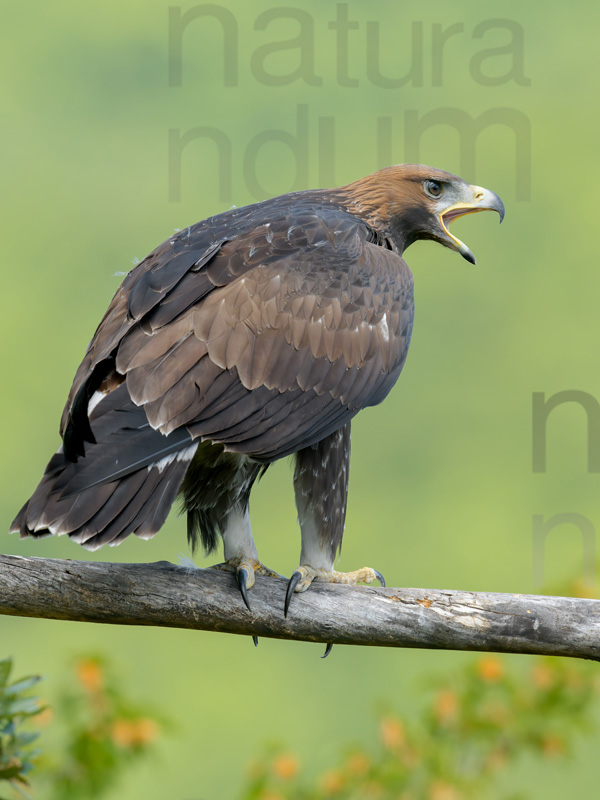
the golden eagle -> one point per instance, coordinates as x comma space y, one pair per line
252, 335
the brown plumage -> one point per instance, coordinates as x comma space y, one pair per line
252, 335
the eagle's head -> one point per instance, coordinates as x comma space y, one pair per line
408, 202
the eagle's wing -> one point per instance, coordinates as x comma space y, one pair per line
149, 284
305, 325
266, 343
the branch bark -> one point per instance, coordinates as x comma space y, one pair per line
167, 595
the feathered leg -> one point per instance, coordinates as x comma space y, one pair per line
321, 487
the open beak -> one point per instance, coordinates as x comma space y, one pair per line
482, 200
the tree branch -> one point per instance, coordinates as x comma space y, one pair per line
172, 596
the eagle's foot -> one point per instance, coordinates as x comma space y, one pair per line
303, 577
245, 570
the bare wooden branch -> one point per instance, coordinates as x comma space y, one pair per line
166, 595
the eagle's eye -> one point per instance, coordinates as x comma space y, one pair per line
433, 188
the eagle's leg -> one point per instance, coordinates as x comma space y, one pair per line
321, 487
240, 553
216, 495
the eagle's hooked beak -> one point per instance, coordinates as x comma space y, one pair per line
481, 200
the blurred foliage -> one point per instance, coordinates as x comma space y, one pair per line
16, 706
474, 725
470, 727
105, 734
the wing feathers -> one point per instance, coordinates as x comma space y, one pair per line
151, 381
264, 341
279, 326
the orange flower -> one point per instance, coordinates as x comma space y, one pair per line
132, 733
553, 746
286, 766
358, 764
490, 669
90, 674
332, 782
122, 732
392, 733
446, 705
146, 731
543, 676
443, 791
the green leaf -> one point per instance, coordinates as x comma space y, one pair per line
9, 728
23, 739
11, 770
22, 685
23, 705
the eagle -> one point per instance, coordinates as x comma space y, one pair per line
255, 334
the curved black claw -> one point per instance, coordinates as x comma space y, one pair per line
380, 577
241, 575
255, 640
328, 650
292, 583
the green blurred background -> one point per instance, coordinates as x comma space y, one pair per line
442, 491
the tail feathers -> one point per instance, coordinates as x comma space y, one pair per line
103, 513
